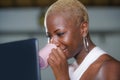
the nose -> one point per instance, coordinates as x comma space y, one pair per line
55, 41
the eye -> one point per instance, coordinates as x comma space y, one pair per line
60, 34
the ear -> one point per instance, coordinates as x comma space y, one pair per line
84, 29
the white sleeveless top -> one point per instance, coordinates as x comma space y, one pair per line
76, 71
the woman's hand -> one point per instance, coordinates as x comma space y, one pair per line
58, 62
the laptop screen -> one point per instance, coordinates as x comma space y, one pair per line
19, 60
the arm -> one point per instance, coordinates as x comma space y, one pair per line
110, 70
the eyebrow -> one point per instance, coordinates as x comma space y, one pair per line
47, 33
56, 30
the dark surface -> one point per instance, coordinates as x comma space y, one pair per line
19, 60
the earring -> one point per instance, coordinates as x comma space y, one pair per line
86, 44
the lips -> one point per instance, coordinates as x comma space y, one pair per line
65, 50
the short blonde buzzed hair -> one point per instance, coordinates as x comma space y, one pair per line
72, 7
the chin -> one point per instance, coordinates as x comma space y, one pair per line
68, 55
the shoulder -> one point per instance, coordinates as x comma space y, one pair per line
110, 69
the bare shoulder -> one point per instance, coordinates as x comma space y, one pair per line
110, 69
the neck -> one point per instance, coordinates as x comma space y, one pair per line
82, 54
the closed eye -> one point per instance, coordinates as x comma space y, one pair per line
60, 34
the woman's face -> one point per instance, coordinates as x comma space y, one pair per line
65, 34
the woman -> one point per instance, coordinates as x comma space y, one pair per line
66, 23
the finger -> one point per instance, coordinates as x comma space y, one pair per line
50, 62
53, 52
61, 53
51, 58
58, 59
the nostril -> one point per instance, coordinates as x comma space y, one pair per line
57, 45
54, 40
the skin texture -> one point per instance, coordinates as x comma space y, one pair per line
67, 34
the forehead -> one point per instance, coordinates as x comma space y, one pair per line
58, 21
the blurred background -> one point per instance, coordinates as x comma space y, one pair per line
23, 19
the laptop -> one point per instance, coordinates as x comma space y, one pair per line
19, 60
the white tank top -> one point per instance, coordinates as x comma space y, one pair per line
76, 71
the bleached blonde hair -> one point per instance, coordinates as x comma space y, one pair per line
72, 7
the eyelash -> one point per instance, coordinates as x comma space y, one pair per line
60, 34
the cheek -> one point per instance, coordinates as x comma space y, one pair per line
71, 39
68, 40
75, 43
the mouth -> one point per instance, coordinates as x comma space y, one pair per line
65, 50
